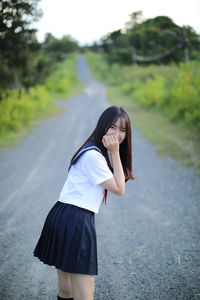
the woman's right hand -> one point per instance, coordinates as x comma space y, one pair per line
111, 143
116, 184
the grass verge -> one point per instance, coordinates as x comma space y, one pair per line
11, 139
20, 116
171, 139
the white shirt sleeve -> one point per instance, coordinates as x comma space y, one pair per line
95, 167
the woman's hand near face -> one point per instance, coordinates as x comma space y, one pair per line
116, 184
111, 143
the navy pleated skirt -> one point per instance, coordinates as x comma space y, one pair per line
68, 240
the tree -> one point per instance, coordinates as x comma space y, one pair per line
117, 47
17, 40
136, 18
162, 39
58, 49
157, 40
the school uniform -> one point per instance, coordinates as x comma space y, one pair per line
68, 238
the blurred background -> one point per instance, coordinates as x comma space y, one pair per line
147, 54
61, 64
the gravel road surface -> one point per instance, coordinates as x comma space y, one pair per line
148, 239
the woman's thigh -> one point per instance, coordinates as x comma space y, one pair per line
82, 286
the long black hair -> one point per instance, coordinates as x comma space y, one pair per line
107, 118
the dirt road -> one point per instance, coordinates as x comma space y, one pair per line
148, 239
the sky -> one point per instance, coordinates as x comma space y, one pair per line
89, 20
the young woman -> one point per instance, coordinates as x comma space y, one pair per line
68, 239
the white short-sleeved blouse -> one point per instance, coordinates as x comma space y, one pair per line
83, 185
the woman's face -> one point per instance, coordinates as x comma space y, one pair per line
118, 129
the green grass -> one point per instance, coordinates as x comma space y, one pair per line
172, 138
21, 115
11, 139
64, 82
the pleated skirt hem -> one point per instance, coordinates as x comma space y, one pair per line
68, 240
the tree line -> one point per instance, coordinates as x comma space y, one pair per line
158, 40
24, 62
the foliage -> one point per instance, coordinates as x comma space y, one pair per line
158, 39
19, 109
64, 79
172, 90
186, 94
38, 67
17, 39
24, 61
6, 75
58, 49
40, 63
16, 112
152, 93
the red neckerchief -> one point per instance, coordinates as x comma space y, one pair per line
105, 197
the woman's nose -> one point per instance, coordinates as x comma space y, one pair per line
116, 133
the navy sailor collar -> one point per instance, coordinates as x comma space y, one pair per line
90, 145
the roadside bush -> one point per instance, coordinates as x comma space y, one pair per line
185, 103
173, 89
64, 80
17, 111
